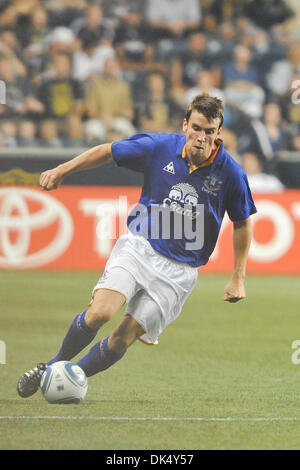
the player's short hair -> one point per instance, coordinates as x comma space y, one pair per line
210, 106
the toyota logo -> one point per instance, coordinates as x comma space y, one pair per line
23, 214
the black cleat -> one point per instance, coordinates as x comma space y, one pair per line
29, 382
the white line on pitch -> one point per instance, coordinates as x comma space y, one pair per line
124, 418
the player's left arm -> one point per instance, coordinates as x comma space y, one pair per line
242, 234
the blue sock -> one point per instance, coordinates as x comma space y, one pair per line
77, 338
99, 358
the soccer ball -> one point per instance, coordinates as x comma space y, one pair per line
64, 382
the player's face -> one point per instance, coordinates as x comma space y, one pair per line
200, 136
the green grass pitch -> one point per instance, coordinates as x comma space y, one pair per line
223, 372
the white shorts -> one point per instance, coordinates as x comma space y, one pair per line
155, 287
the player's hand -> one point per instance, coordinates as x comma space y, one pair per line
235, 289
51, 179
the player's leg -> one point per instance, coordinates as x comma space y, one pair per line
80, 334
143, 316
126, 333
85, 326
107, 352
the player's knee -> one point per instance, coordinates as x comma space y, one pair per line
99, 313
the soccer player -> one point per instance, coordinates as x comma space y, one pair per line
190, 181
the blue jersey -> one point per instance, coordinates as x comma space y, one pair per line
200, 197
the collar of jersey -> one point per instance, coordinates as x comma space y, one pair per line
208, 162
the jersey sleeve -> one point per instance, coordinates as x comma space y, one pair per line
240, 204
135, 153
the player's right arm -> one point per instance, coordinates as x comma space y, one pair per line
91, 158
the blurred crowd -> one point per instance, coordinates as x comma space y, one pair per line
80, 72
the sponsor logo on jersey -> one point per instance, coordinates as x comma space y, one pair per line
183, 199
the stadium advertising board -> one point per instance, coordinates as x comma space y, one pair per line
76, 227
